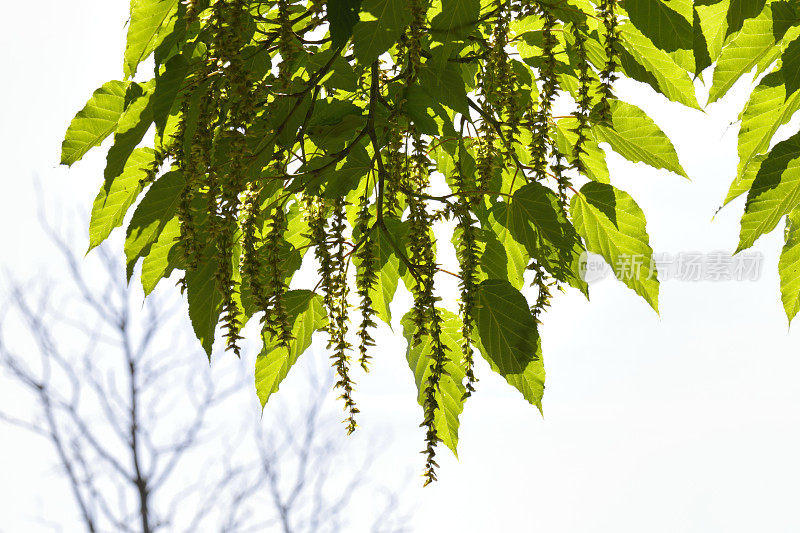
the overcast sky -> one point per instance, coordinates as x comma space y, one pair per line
685, 422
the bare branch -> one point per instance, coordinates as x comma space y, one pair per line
130, 417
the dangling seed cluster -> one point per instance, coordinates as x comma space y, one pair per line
287, 144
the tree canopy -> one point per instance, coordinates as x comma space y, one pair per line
274, 134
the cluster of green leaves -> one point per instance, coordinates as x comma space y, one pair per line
762, 38
353, 127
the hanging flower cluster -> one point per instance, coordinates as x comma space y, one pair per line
342, 134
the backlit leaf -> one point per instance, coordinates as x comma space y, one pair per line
151, 216
306, 314
165, 256
613, 226
789, 265
756, 44
509, 340
167, 87
387, 266
672, 80
593, 157
133, 125
775, 192
371, 38
503, 257
117, 195
342, 16
538, 222
636, 137
457, 19
151, 21
666, 24
769, 107
96, 121
450, 393
506, 326
205, 300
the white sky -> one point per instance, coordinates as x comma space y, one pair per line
687, 422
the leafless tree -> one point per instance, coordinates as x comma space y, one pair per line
146, 437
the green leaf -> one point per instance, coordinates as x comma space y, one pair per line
668, 29
371, 38
457, 19
387, 265
534, 215
636, 137
164, 257
342, 16
340, 75
205, 301
538, 222
451, 390
672, 80
347, 177
167, 87
741, 184
446, 86
574, 11
711, 20
769, 107
96, 121
593, 157
503, 257
775, 192
789, 265
756, 44
286, 116
297, 230
307, 315
151, 21
133, 125
506, 326
421, 109
738, 11
333, 124
508, 338
790, 67
117, 195
385, 287
702, 57
613, 226
321, 178
151, 216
